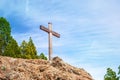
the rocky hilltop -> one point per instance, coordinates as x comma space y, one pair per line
37, 69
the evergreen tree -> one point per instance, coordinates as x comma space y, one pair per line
12, 49
23, 49
42, 56
9, 46
28, 50
1, 44
31, 48
111, 75
5, 32
119, 72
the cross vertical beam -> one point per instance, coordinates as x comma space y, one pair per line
50, 33
50, 40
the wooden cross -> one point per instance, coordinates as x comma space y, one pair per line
50, 32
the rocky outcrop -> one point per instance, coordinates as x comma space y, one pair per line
37, 69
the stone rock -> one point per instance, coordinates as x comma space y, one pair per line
38, 69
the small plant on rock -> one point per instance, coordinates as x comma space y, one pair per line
3, 68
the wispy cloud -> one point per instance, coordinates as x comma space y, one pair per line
90, 31
27, 6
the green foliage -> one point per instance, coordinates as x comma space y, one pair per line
9, 46
5, 32
42, 56
3, 68
23, 47
119, 70
28, 50
31, 49
111, 75
12, 49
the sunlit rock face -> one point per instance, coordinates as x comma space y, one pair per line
38, 69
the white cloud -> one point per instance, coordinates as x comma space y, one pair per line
40, 40
91, 26
27, 6
96, 72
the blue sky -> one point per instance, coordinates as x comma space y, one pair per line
90, 30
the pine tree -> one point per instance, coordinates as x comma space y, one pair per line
119, 72
12, 49
1, 44
111, 75
23, 49
9, 46
5, 32
28, 50
42, 56
31, 48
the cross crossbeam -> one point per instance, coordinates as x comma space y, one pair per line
50, 32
